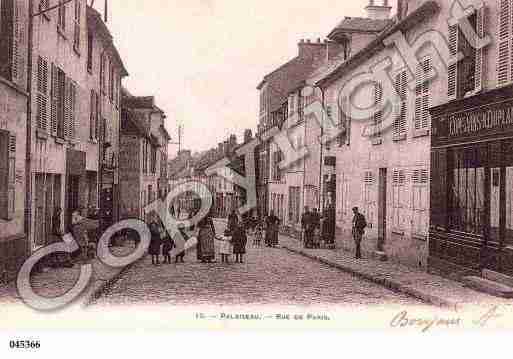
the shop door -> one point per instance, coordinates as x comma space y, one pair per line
40, 215
382, 208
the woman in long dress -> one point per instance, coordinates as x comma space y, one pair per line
271, 232
206, 237
239, 241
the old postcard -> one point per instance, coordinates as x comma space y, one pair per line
219, 164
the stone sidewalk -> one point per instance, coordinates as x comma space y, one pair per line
54, 282
429, 288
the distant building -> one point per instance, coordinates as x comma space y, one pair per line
143, 155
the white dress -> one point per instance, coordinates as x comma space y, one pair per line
225, 246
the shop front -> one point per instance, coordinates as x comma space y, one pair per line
471, 225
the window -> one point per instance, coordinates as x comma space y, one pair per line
504, 75
42, 94
70, 106
7, 174
153, 159
277, 158
294, 204
59, 104
344, 122
398, 199
76, 26
150, 194
90, 46
112, 82
369, 196
422, 100
103, 75
10, 34
61, 21
465, 76
378, 115
93, 117
145, 156
420, 204
467, 202
401, 107
44, 5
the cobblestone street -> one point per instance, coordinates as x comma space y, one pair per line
268, 276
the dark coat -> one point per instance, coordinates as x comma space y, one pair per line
233, 221
359, 223
155, 241
239, 240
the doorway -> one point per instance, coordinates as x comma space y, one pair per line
382, 209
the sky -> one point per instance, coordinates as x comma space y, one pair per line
203, 59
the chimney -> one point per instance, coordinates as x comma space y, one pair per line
226, 147
378, 12
220, 148
233, 142
248, 135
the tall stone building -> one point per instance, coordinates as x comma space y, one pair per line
13, 135
75, 116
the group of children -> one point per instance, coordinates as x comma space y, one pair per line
161, 239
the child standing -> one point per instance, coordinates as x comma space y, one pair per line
259, 235
167, 246
225, 247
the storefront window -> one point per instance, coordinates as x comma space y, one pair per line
467, 195
509, 206
495, 203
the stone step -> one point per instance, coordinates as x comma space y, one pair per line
488, 286
498, 277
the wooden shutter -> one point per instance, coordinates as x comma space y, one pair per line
92, 116
378, 115
422, 96
54, 117
68, 118
452, 71
98, 115
6, 29
76, 35
504, 43
4, 174
42, 94
400, 108
43, 5
73, 109
480, 29
16, 28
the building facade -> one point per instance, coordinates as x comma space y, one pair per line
75, 134
381, 163
143, 155
13, 135
472, 144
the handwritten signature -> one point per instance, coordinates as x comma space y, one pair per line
493, 313
403, 320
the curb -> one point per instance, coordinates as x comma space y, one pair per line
391, 284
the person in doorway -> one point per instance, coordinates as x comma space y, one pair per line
359, 225
239, 241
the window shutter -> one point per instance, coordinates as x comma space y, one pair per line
452, 71
378, 115
503, 66
43, 5
16, 29
76, 31
98, 115
73, 109
92, 116
400, 108
480, 27
422, 97
4, 174
67, 110
55, 100
42, 94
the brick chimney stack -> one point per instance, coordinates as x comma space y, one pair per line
378, 12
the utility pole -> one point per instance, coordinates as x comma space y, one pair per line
179, 143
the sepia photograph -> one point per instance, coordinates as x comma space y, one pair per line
224, 165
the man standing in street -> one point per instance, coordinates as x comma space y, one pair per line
359, 225
305, 224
